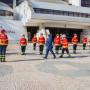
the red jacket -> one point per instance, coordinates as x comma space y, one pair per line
3, 39
57, 41
34, 39
64, 43
41, 40
23, 41
74, 40
84, 40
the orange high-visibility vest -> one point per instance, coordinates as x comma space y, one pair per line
23, 41
57, 41
84, 40
65, 43
74, 40
34, 39
3, 39
41, 40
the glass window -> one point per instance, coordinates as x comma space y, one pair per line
9, 2
65, 13
85, 3
5, 13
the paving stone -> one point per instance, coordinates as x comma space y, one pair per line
32, 72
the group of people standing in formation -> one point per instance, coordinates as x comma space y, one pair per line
60, 42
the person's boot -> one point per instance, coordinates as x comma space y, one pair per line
74, 52
83, 48
54, 57
69, 55
45, 57
61, 56
3, 59
41, 53
34, 48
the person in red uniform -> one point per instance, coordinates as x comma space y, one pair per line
3, 44
34, 41
57, 43
23, 44
65, 46
41, 42
84, 41
75, 42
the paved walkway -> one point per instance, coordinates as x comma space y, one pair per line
32, 72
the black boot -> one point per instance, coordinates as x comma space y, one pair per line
57, 52
61, 56
1, 59
74, 52
54, 56
69, 55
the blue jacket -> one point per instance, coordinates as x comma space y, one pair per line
49, 43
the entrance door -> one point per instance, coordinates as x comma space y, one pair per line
31, 31
67, 31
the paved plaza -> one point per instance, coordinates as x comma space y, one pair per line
32, 72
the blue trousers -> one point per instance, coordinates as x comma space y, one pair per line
2, 52
47, 51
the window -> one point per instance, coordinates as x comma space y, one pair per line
64, 13
5, 13
8, 2
85, 3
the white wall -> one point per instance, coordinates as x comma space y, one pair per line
14, 29
23, 12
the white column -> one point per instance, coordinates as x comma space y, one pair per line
14, 3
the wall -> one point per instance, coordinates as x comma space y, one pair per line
14, 29
23, 12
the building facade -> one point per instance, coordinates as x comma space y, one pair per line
53, 16
8, 23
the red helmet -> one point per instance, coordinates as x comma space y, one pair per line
3, 31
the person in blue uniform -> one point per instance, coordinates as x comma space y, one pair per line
49, 46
